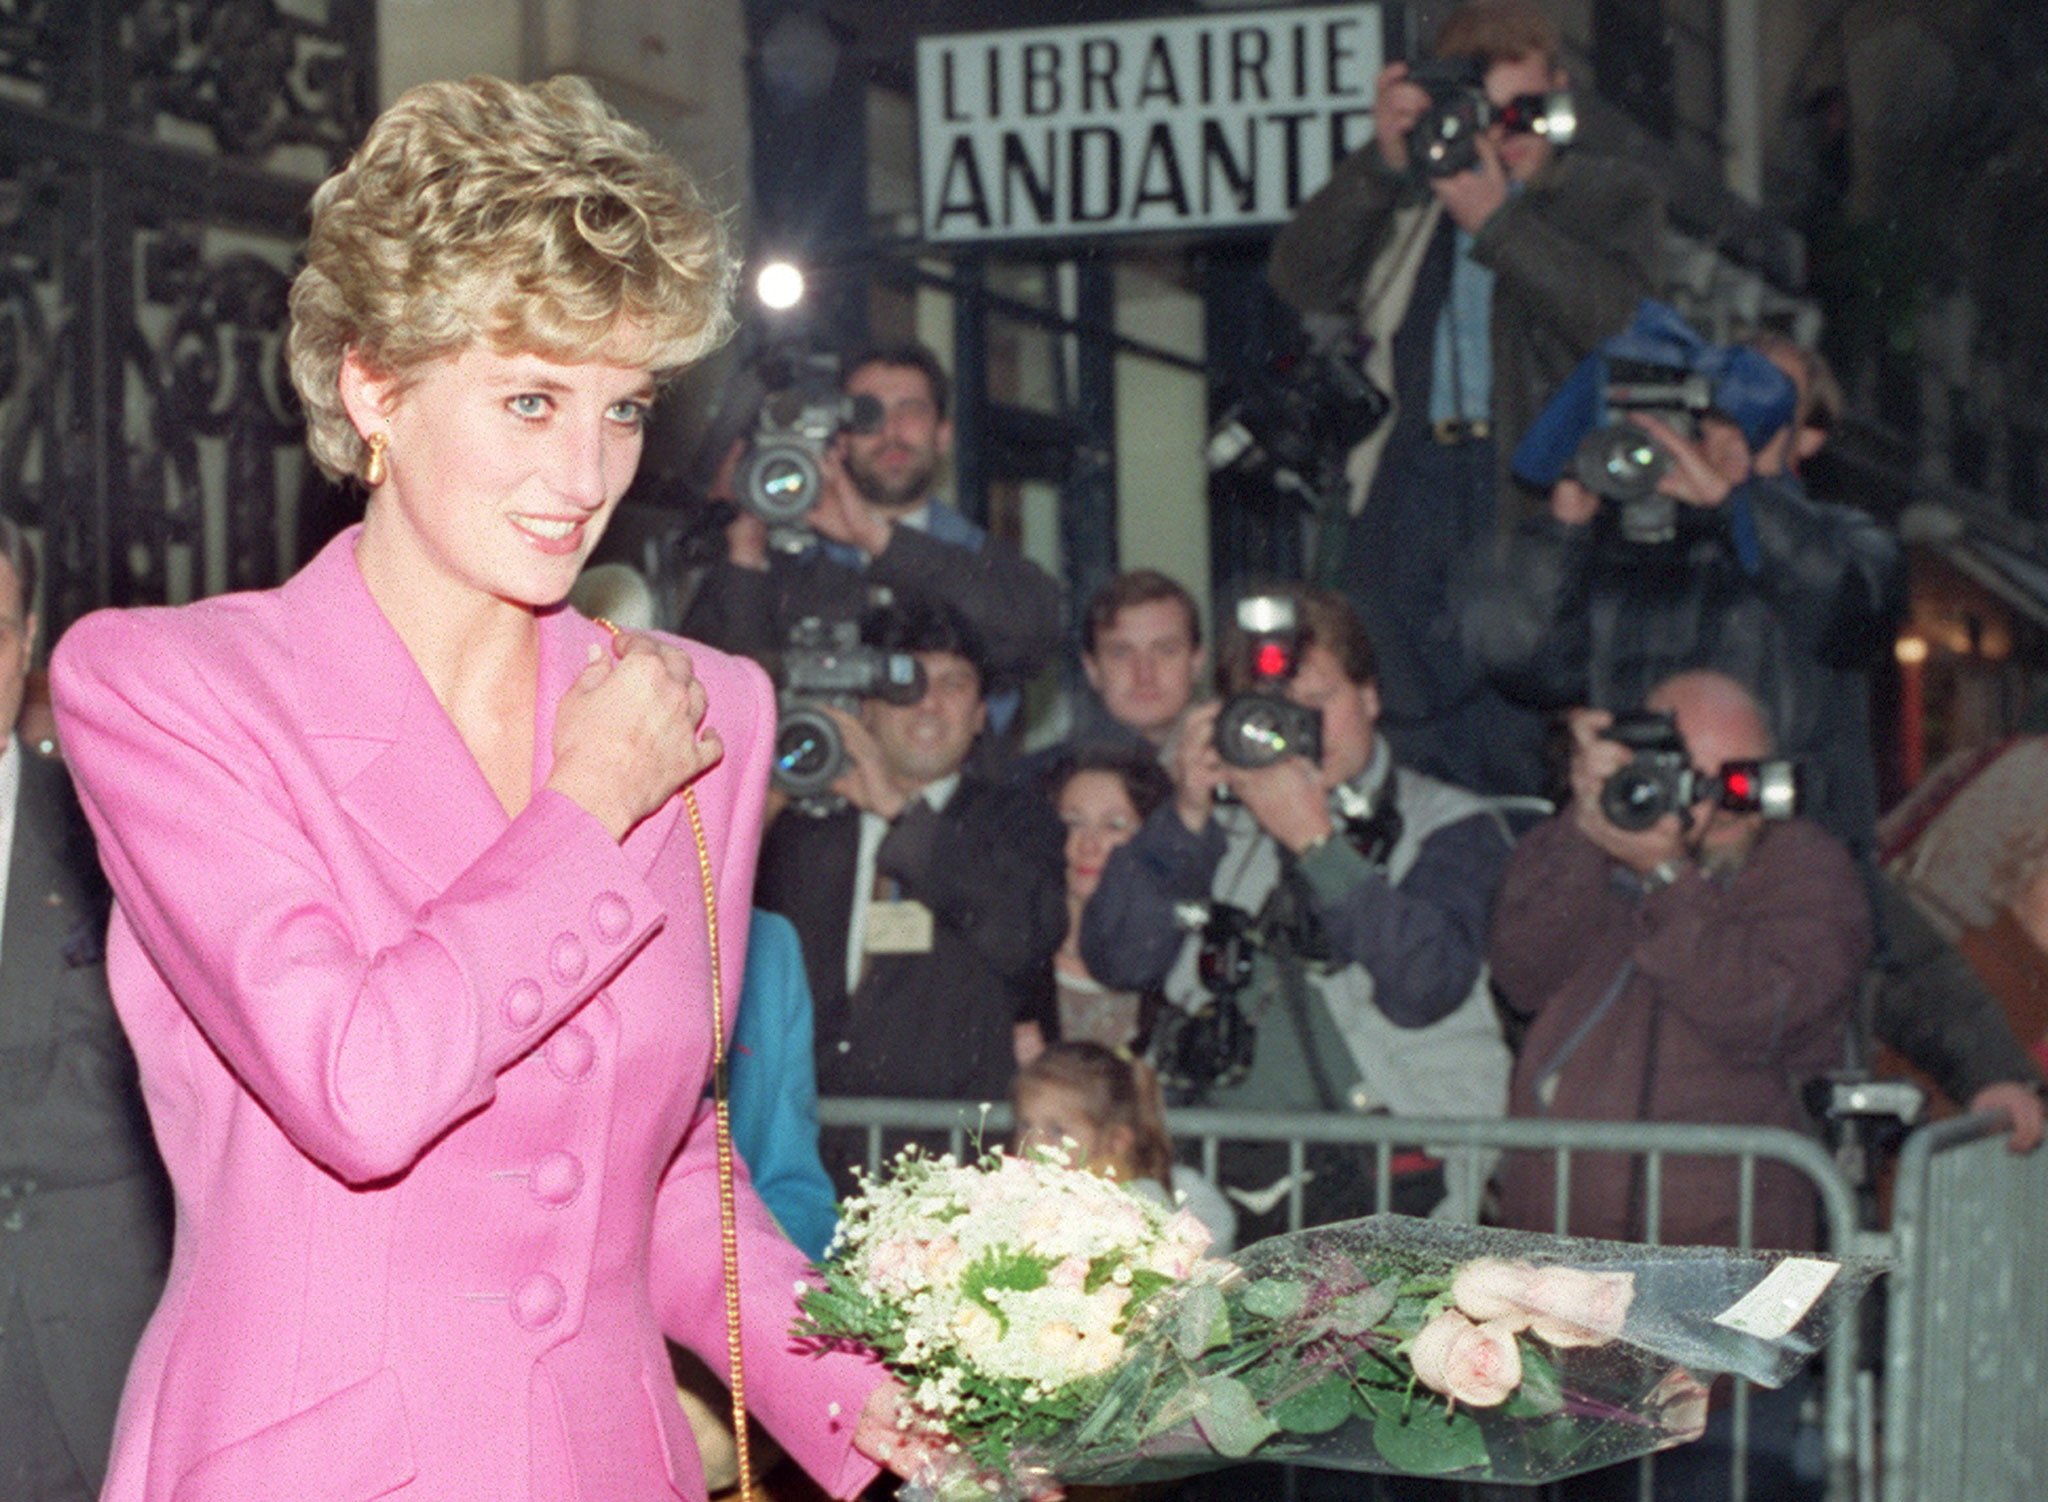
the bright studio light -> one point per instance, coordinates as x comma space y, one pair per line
780, 286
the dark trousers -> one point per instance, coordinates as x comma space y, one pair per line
36, 1465
1430, 505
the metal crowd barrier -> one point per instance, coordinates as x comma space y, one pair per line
1966, 1393
1846, 1430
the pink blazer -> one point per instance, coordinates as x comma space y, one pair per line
429, 1081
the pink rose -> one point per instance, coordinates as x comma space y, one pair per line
1069, 1273
1578, 1307
1477, 1365
1562, 1306
1490, 1288
1679, 1403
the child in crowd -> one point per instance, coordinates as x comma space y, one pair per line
1107, 1104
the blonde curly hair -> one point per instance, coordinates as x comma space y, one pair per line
529, 217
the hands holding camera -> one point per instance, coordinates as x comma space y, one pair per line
866, 782
1595, 759
840, 513
1469, 197
1704, 471
1287, 796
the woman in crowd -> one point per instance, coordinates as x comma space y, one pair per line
1106, 1106
1101, 795
423, 879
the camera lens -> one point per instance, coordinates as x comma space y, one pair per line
809, 753
1621, 462
779, 483
1635, 798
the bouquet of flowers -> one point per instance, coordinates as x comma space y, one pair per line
1051, 1324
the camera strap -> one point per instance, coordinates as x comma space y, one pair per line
1375, 834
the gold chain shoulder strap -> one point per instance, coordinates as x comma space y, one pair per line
721, 1110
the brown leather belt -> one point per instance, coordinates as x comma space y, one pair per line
1454, 430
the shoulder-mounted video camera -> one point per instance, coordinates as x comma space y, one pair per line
1445, 138
825, 663
780, 475
1662, 367
1261, 725
1660, 778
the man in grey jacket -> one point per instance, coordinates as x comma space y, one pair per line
1368, 889
1473, 295
85, 1215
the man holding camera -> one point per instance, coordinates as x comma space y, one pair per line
1789, 596
1686, 963
1338, 905
1474, 283
930, 905
878, 523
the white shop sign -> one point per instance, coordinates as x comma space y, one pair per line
1201, 122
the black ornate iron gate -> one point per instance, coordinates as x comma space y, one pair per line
156, 157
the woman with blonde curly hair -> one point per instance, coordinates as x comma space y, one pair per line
422, 879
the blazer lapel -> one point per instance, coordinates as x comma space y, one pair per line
395, 759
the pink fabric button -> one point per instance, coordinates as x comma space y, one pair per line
571, 1052
611, 916
556, 1178
522, 1004
538, 1301
567, 959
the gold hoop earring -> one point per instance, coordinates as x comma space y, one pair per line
375, 469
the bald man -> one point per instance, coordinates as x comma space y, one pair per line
1698, 970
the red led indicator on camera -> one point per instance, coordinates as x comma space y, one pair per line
1271, 660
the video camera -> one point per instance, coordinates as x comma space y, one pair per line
1262, 725
1621, 462
1444, 140
825, 663
780, 475
1662, 367
1660, 778
1290, 426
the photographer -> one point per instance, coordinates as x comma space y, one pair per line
1473, 294
1791, 597
1365, 889
1698, 969
878, 522
931, 904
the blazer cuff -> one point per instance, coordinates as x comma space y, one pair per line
543, 920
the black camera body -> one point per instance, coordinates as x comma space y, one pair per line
1622, 463
1213, 1046
782, 472
1262, 725
1660, 778
826, 664
1296, 420
1445, 138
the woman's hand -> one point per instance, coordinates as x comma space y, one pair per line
631, 731
884, 1435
